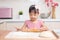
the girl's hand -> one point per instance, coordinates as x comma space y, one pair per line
43, 29
18, 29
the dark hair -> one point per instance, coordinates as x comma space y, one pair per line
32, 7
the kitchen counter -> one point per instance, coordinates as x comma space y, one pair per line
3, 33
18, 20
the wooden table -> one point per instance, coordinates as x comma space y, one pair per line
3, 33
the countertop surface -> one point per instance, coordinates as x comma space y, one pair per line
3, 33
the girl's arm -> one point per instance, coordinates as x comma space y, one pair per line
43, 27
25, 28
18, 28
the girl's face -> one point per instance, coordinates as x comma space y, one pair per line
33, 15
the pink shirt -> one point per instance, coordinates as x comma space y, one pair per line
31, 25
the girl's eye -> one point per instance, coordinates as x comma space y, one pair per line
31, 14
34, 14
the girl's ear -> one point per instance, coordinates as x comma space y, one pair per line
38, 14
29, 13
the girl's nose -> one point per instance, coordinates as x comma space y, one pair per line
32, 16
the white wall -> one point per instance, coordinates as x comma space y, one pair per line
58, 11
17, 5
24, 6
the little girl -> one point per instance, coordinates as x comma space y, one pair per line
34, 25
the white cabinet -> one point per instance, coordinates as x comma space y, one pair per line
2, 26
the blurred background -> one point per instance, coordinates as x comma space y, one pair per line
13, 13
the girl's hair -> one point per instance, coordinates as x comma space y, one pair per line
32, 7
